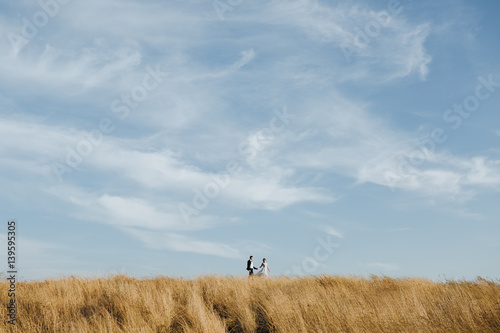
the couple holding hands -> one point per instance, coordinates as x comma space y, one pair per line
263, 269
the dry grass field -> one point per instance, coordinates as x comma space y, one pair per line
231, 304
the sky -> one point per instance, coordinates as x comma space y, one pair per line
178, 138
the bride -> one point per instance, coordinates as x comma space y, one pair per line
264, 269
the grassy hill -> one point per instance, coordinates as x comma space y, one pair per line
236, 304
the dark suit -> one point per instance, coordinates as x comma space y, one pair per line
250, 267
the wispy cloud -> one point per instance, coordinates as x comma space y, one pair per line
181, 243
395, 52
368, 150
331, 231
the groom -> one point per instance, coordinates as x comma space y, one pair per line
250, 267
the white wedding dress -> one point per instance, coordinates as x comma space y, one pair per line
264, 271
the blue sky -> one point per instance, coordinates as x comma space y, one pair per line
179, 137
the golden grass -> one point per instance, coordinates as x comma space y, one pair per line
234, 304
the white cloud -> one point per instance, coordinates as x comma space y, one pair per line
67, 72
115, 161
181, 243
394, 51
271, 188
146, 212
246, 57
331, 231
341, 137
135, 212
266, 192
